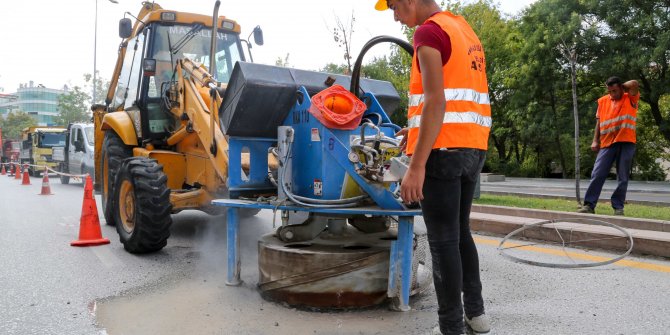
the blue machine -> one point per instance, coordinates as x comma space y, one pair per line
315, 164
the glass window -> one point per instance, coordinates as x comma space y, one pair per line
49, 140
126, 89
193, 41
90, 137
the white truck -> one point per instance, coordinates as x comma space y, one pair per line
76, 157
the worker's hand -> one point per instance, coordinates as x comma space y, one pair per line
411, 187
403, 143
595, 146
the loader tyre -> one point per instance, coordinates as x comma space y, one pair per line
143, 205
114, 151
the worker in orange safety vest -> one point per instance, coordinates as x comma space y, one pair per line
449, 120
614, 141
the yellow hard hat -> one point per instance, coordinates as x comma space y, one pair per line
381, 5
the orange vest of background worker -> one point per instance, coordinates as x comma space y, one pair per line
467, 116
617, 119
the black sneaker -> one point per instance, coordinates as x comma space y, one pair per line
586, 209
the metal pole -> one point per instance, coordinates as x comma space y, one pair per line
95, 48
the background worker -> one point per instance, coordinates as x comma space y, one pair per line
449, 119
614, 139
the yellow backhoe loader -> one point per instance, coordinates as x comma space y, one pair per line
158, 148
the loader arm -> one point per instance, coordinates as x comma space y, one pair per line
197, 86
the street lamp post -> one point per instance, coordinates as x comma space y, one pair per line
95, 47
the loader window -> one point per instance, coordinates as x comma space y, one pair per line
196, 48
127, 87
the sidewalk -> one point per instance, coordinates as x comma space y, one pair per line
639, 192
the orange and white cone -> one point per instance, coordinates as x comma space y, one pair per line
17, 171
26, 176
89, 224
46, 189
4, 172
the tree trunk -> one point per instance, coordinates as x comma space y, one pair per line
556, 135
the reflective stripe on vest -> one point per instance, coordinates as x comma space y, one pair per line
617, 119
454, 94
617, 128
456, 117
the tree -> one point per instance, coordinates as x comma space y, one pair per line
73, 107
101, 87
342, 34
633, 42
283, 62
15, 122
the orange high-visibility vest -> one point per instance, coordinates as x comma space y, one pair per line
467, 115
617, 119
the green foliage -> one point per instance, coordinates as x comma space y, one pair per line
73, 107
14, 123
101, 87
334, 68
283, 62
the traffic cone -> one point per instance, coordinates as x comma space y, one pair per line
17, 171
46, 189
26, 177
89, 224
4, 172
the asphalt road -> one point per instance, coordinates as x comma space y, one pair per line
50, 287
655, 193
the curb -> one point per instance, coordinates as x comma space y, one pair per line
651, 237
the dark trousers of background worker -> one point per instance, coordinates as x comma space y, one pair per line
620, 153
448, 190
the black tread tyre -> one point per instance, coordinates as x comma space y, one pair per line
142, 205
63, 179
114, 151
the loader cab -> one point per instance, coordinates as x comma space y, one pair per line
148, 71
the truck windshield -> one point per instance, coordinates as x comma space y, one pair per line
89, 135
50, 140
195, 45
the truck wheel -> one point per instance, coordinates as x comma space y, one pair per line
63, 179
114, 151
143, 205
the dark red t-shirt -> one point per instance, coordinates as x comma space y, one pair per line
430, 34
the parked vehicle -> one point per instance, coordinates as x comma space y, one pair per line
76, 157
37, 147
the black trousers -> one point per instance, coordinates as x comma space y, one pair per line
448, 190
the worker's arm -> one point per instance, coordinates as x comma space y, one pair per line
595, 145
631, 87
432, 117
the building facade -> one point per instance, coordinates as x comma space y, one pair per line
38, 101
